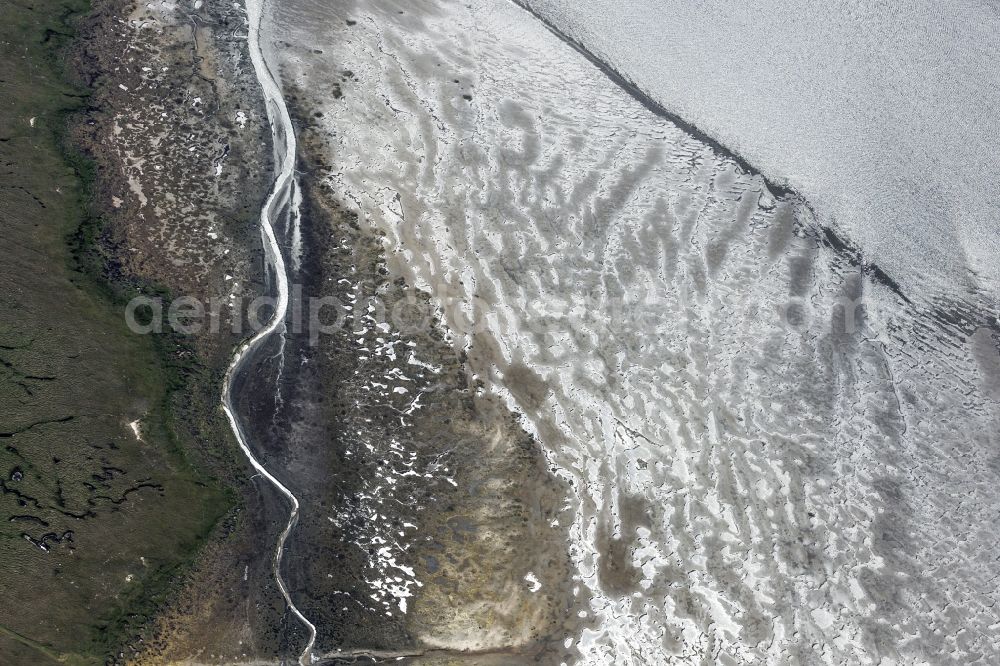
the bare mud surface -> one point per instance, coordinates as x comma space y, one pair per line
182, 146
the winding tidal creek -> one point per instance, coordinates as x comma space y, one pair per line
277, 201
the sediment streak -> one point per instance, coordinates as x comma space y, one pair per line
284, 154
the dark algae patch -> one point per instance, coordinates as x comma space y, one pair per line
97, 517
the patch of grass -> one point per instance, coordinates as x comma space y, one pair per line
95, 523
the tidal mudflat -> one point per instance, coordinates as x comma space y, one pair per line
547, 374
772, 450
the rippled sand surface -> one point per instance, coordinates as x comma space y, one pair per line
775, 457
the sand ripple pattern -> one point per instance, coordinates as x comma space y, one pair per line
775, 459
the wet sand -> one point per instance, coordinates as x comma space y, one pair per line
767, 444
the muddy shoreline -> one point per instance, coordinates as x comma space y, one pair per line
415, 498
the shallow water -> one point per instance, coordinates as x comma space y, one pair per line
882, 114
774, 457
